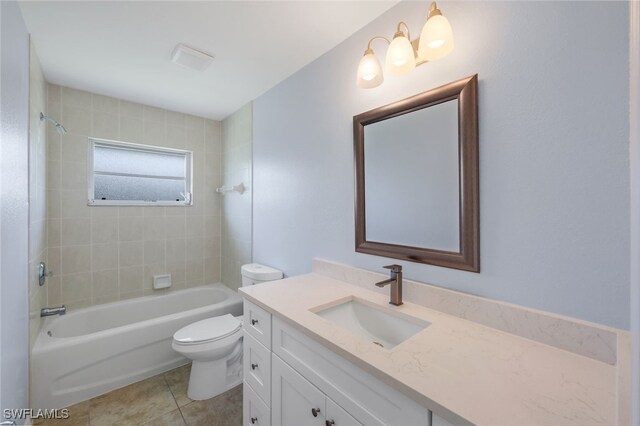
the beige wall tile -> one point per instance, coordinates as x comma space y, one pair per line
175, 227
75, 97
195, 270
76, 120
153, 114
131, 228
76, 287
53, 232
105, 283
104, 256
73, 175
176, 118
54, 261
154, 228
73, 203
177, 271
74, 148
75, 231
130, 109
154, 252
104, 230
154, 134
195, 249
106, 104
105, 126
75, 259
53, 175
176, 250
108, 246
130, 279
131, 253
131, 129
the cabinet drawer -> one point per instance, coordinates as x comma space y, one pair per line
256, 362
254, 411
257, 322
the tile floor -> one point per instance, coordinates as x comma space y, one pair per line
158, 401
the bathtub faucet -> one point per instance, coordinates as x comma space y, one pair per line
47, 312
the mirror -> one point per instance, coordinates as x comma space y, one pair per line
417, 178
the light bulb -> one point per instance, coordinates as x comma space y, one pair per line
369, 71
400, 56
436, 39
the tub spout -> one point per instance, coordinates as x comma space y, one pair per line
47, 312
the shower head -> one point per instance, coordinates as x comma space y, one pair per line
59, 127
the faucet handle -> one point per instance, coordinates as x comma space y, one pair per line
394, 268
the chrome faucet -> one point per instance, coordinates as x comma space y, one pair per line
47, 312
396, 284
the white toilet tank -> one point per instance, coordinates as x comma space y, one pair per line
254, 273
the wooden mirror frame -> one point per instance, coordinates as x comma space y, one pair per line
468, 258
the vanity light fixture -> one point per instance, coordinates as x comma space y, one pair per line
403, 55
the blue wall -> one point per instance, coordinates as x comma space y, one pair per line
554, 172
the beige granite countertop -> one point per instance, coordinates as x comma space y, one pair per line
463, 371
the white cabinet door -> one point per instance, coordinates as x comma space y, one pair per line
337, 416
294, 401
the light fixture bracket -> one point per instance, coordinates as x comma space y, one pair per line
433, 10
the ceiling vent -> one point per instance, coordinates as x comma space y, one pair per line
191, 58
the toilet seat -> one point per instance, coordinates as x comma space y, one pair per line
207, 330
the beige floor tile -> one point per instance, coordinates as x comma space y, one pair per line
223, 410
178, 381
73, 420
133, 405
78, 416
174, 418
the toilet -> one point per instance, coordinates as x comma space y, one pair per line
214, 345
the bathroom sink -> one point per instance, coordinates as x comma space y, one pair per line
377, 324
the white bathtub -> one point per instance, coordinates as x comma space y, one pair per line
94, 350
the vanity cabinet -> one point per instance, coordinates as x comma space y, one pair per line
291, 379
297, 402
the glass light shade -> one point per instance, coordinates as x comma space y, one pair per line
369, 71
400, 56
436, 39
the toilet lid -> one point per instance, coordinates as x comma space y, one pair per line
208, 330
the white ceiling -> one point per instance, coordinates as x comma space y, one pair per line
123, 49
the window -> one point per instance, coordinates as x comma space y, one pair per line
130, 174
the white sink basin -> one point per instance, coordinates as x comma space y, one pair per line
381, 326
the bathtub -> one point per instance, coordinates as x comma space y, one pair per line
94, 350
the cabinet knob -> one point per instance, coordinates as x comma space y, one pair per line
254, 321
254, 366
315, 412
254, 420
329, 422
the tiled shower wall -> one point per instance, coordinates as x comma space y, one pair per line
101, 254
37, 192
237, 142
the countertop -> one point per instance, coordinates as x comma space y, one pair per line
463, 371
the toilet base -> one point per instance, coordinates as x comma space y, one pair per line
211, 378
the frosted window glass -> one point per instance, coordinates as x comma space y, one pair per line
136, 173
127, 161
114, 187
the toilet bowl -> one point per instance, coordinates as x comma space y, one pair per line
214, 345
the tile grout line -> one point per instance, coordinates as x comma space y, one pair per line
164, 377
